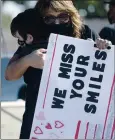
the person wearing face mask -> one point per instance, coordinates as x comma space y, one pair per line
30, 38
61, 17
26, 27
58, 17
109, 32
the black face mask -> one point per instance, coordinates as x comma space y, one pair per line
21, 43
63, 29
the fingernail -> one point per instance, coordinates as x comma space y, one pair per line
108, 47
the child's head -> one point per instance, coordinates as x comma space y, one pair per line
28, 27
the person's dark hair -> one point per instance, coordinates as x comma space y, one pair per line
28, 22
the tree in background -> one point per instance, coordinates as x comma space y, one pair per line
87, 8
91, 8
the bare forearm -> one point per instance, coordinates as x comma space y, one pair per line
16, 69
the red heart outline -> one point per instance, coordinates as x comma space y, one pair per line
48, 126
58, 124
36, 129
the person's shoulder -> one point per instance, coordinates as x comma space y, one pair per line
107, 29
108, 33
18, 51
21, 51
87, 32
86, 27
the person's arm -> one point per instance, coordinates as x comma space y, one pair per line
16, 68
108, 34
87, 33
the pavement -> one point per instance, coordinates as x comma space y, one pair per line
11, 119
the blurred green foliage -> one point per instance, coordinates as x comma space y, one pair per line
90, 5
90, 8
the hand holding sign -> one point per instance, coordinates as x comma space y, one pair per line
74, 88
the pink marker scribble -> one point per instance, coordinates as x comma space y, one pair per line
50, 72
110, 97
40, 116
87, 127
77, 129
113, 130
95, 131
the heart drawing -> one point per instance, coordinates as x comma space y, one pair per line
48, 126
38, 130
40, 116
58, 124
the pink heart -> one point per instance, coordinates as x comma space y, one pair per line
48, 126
40, 116
38, 130
58, 124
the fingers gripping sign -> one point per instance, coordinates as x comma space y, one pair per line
37, 58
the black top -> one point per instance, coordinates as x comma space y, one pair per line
32, 78
108, 33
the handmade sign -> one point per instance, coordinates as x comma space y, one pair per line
76, 99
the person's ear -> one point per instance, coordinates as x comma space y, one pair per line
29, 39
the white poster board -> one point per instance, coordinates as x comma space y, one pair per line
75, 98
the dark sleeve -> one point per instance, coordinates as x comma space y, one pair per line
108, 33
104, 33
88, 33
18, 51
21, 52
16, 56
